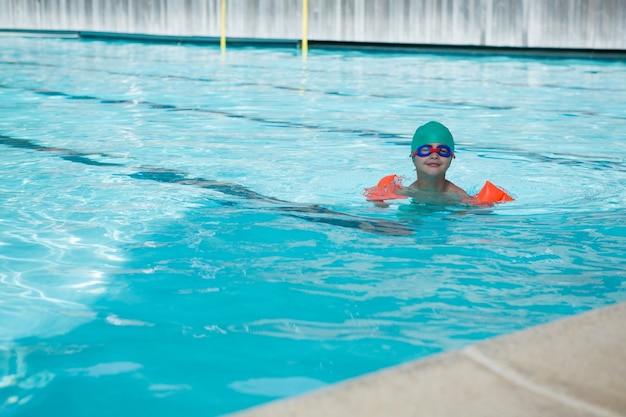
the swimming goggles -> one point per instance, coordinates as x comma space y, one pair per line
425, 150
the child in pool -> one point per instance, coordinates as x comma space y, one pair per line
432, 151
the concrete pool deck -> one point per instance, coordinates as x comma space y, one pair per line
571, 367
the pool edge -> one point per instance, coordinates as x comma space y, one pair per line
575, 366
313, 44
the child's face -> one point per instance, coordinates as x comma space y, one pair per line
433, 164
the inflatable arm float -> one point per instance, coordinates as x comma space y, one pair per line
387, 186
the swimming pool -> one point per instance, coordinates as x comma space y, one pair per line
183, 232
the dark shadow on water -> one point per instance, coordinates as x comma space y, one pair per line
308, 212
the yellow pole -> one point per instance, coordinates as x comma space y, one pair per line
223, 35
305, 19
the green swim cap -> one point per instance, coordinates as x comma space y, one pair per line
432, 132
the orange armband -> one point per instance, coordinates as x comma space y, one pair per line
489, 194
385, 189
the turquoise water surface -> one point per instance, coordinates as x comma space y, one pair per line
184, 233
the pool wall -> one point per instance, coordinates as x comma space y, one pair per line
565, 24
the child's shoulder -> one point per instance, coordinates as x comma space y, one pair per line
453, 188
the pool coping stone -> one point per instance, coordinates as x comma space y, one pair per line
575, 366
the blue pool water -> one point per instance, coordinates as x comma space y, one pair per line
183, 232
